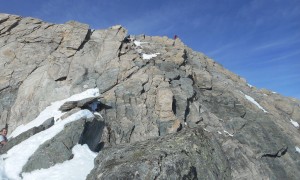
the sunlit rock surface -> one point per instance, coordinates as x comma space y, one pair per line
164, 110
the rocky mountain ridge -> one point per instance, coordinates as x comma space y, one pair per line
163, 110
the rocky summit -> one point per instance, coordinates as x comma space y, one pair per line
134, 107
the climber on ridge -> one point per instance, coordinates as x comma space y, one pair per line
3, 139
175, 37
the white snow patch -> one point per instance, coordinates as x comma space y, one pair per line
206, 130
256, 103
294, 123
226, 132
98, 114
52, 111
274, 92
149, 56
2, 174
219, 132
249, 85
75, 169
139, 44
17, 156
297, 149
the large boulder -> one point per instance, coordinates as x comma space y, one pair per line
189, 154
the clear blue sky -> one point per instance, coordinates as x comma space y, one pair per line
256, 39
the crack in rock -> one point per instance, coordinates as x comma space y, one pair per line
279, 153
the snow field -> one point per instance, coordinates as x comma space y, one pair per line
12, 162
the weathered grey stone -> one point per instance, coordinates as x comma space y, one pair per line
57, 149
142, 99
266, 140
59, 67
202, 79
68, 106
296, 113
234, 125
80, 103
69, 113
223, 104
284, 106
194, 118
92, 135
164, 104
107, 80
4, 116
169, 68
189, 154
29, 48
186, 85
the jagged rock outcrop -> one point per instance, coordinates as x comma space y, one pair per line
56, 150
150, 87
168, 157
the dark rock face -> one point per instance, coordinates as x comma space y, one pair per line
92, 135
189, 154
79, 104
58, 149
155, 93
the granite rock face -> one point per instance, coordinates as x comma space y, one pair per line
153, 89
56, 150
168, 157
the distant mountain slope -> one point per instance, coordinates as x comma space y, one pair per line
158, 109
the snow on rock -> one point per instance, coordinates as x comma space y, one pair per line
297, 149
2, 173
249, 85
249, 98
52, 111
21, 152
75, 169
138, 43
226, 132
206, 130
98, 114
149, 56
295, 123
